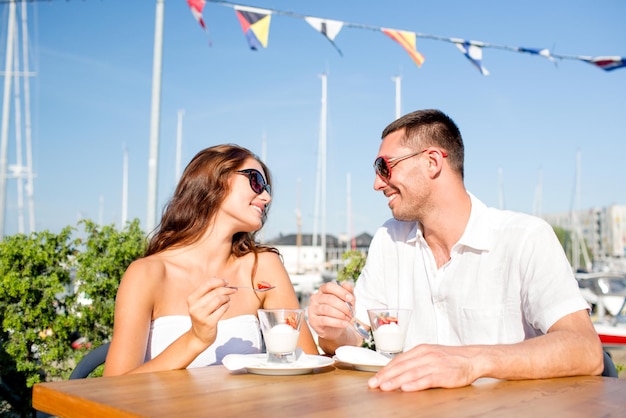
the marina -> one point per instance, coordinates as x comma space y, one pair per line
606, 293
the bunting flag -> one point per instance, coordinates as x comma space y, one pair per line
544, 52
196, 7
255, 24
606, 63
407, 41
474, 53
329, 28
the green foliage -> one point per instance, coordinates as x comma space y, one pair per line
41, 279
352, 268
105, 254
351, 272
35, 277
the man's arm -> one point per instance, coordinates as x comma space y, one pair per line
571, 347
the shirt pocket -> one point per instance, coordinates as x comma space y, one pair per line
486, 324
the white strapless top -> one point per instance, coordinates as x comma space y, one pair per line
238, 335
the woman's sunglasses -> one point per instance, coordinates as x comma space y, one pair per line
383, 165
257, 181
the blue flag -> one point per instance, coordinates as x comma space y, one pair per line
474, 53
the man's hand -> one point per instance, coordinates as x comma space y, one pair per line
427, 366
329, 315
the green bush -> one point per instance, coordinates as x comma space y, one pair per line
105, 254
355, 261
352, 268
44, 280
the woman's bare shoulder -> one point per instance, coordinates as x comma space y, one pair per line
270, 256
271, 263
270, 259
142, 269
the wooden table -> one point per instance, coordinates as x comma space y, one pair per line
330, 392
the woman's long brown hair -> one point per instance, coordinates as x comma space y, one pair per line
201, 190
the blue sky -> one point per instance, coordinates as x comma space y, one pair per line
527, 120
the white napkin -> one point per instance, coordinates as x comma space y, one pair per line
242, 361
360, 355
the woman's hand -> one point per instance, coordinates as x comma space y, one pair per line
207, 304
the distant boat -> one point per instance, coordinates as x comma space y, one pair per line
606, 291
305, 283
611, 335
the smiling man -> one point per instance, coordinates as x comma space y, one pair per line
492, 292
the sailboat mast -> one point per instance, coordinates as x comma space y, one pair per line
101, 210
398, 81
501, 188
538, 195
578, 243
298, 227
260, 234
320, 185
581, 241
153, 158
264, 147
323, 129
18, 169
124, 188
4, 135
179, 143
30, 187
349, 240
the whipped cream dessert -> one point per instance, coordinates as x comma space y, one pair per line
389, 338
281, 338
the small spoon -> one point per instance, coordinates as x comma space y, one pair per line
357, 327
265, 289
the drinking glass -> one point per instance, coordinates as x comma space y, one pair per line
281, 329
389, 326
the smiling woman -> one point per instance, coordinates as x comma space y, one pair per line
180, 306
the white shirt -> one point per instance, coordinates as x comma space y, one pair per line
507, 280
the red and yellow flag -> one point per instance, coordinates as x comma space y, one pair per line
407, 41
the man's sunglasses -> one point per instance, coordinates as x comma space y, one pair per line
383, 165
257, 181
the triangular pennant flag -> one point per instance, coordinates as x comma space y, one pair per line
196, 7
255, 24
474, 53
407, 41
544, 52
606, 63
329, 28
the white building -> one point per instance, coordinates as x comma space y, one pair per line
301, 259
603, 229
306, 264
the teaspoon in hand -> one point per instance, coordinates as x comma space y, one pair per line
356, 325
261, 287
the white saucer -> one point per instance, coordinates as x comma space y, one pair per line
361, 358
258, 364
